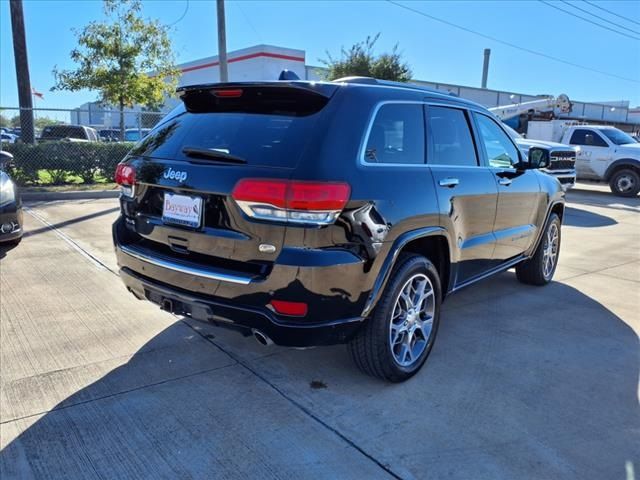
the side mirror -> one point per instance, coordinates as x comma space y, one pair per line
538, 158
6, 160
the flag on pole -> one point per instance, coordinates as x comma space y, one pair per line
37, 93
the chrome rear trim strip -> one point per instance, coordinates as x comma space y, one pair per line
176, 267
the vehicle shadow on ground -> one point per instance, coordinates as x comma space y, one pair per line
523, 382
603, 199
6, 248
72, 221
576, 217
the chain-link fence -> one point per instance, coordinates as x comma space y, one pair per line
71, 146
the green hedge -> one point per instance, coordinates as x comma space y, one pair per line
65, 162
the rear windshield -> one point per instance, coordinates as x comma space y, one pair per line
266, 125
260, 139
63, 131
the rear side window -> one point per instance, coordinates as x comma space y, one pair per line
450, 137
587, 138
396, 135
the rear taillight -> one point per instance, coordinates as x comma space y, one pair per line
126, 178
292, 201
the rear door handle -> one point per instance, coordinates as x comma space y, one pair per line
449, 182
505, 181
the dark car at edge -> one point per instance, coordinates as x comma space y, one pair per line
11, 229
316, 213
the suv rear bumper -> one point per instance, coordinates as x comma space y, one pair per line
238, 317
330, 282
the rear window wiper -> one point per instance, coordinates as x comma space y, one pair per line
213, 154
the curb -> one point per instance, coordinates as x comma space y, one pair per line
73, 195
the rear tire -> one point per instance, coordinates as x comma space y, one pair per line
539, 269
398, 337
625, 182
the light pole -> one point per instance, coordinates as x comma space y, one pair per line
222, 43
22, 72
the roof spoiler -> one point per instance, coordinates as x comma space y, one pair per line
289, 97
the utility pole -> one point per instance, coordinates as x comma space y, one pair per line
222, 43
485, 67
22, 72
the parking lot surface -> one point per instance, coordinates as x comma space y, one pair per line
523, 382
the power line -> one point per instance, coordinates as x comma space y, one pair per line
246, 18
593, 4
549, 4
599, 17
186, 9
517, 47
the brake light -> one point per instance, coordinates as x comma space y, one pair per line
295, 309
230, 93
126, 178
292, 201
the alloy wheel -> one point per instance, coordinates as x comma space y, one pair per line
412, 320
550, 250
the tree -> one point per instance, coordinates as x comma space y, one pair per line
360, 60
126, 58
4, 121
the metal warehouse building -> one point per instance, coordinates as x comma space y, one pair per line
265, 62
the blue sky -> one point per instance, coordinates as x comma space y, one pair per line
435, 51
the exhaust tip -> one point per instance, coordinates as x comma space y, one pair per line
261, 338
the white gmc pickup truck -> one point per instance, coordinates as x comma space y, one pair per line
606, 153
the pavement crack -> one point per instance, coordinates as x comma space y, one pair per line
69, 241
122, 392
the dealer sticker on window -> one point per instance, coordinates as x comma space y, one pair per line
182, 210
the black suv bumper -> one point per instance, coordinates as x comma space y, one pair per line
238, 317
227, 301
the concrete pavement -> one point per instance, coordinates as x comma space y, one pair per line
523, 382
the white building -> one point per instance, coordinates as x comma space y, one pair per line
261, 62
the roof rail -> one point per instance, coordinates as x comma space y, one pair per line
415, 86
356, 79
390, 83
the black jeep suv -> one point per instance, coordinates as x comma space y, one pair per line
314, 213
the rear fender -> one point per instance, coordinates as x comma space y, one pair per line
387, 267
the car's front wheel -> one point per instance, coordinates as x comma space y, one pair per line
398, 337
539, 269
625, 182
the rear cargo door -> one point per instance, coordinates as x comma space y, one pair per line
188, 166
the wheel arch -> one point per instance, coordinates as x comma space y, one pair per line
556, 207
622, 163
432, 242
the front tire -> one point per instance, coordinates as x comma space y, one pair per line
397, 339
625, 182
539, 269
